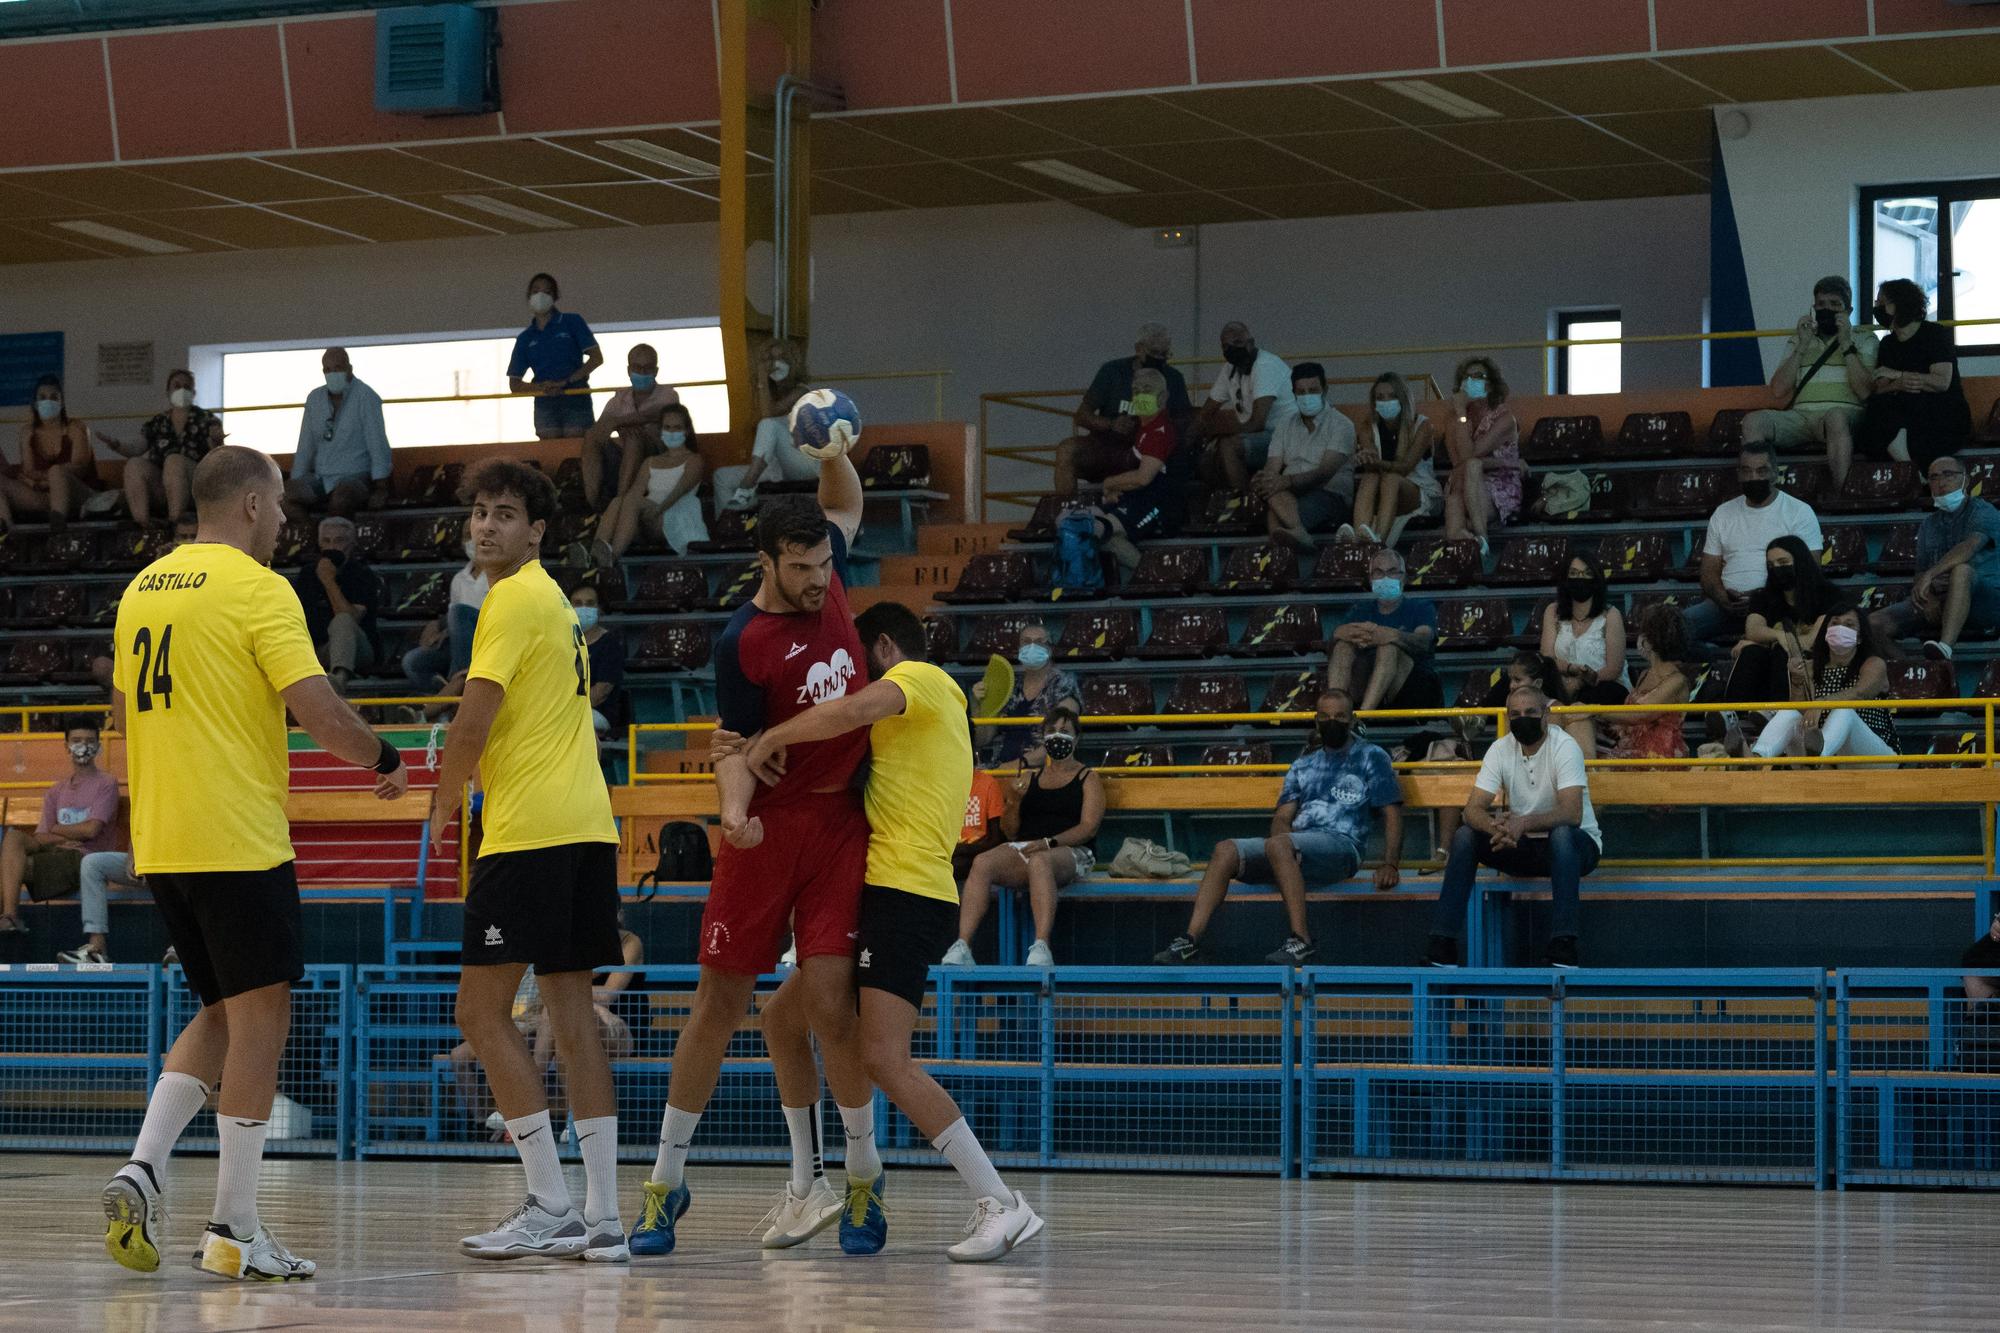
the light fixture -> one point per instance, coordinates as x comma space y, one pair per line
131, 240
1440, 99
665, 157
500, 208
1070, 174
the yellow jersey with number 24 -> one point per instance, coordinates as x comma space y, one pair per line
539, 770
206, 640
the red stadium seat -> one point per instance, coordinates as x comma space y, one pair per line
1530, 562
1260, 570
995, 636
412, 594
729, 530
1877, 488
1563, 440
1117, 696
31, 661
1688, 492
1229, 755
1185, 632
132, 549
1342, 567
1917, 678
940, 638
1990, 432
1899, 550
1041, 525
665, 587
1228, 514
1982, 476
1138, 756
1442, 563
737, 589
76, 667
1166, 571
71, 550
992, 577
895, 467
1530, 634
1845, 552
1472, 691
1653, 435
1208, 693
1097, 636
47, 605
1886, 592
671, 645
1641, 557
1279, 631
1475, 624
1725, 432
1989, 681
100, 605
1294, 692
1805, 481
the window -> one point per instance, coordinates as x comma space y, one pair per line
1597, 369
443, 365
1945, 235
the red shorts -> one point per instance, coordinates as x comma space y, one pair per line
807, 873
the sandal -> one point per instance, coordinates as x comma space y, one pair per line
11, 925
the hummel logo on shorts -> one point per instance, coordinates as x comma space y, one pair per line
493, 935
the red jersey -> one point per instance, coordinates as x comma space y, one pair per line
771, 666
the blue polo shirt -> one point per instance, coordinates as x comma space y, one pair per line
554, 352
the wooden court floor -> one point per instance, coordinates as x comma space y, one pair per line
1155, 1253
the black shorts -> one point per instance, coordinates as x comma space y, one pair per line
554, 908
234, 930
901, 935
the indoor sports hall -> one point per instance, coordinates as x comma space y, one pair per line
1463, 536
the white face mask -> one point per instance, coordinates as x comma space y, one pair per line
181, 398
780, 370
541, 302
336, 381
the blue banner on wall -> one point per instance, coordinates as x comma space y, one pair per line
25, 358
1730, 360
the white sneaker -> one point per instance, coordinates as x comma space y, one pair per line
794, 1220
958, 955
1368, 535
531, 1230
995, 1229
743, 497
604, 1242
83, 954
135, 1215
260, 1258
1344, 533
1039, 955
1937, 650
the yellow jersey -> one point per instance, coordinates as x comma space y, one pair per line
919, 781
207, 639
539, 771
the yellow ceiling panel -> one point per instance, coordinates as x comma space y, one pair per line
961, 132
1607, 86
528, 162
1298, 108
933, 185
1779, 75
112, 189
1379, 154
1226, 164
1971, 61
1115, 121
246, 180
1523, 145
643, 203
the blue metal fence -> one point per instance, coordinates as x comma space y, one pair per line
1796, 1076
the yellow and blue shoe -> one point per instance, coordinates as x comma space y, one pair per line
134, 1216
864, 1223
659, 1209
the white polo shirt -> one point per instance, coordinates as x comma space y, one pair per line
1529, 783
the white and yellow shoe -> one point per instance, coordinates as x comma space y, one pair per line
258, 1258
135, 1214
794, 1220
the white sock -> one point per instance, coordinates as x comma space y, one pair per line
536, 1142
863, 1162
598, 1137
807, 1153
960, 1147
176, 1100
676, 1134
236, 1178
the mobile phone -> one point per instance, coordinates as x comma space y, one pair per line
1823, 321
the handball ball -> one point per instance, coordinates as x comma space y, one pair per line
825, 423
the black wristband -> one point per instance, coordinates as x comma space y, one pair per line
389, 760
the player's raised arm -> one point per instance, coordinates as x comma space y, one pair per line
840, 495
339, 730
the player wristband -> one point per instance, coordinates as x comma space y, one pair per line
389, 760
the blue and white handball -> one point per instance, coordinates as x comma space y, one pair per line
825, 423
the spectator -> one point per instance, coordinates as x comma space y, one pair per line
561, 352
983, 809
56, 467
1829, 368
342, 465
1663, 643
444, 649
340, 594
663, 489
1053, 810
1105, 421
1147, 499
1918, 394
1783, 622
1584, 635
1979, 1028
1394, 472
1547, 831
781, 382
1958, 552
627, 431
1485, 444
1038, 688
97, 872
1307, 481
1732, 555
79, 816
610, 705
1387, 644
1249, 400
1318, 833
1526, 667
161, 470
1845, 663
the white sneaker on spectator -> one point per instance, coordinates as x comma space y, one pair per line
743, 497
958, 955
997, 1226
1937, 650
1039, 955
1344, 533
1368, 535
82, 954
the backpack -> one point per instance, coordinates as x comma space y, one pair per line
684, 857
1079, 566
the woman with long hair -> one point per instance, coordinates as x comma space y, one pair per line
1845, 663
1392, 464
52, 477
1584, 635
1781, 628
1485, 442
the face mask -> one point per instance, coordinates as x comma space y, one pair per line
1947, 503
1153, 362
48, 409
1240, 357
541, 302
780, 370
644, 383
1885, 316
1475, 388
673, 439
181, 398
1781, 577
1389, 409
1333, 733
469, 548
1386, 589
1033, 656
1757, 492
1581, 590
1312, 404
1059, 744
1145, 404
586, 616
1527, 730
1842, 638
83, 751
339, 558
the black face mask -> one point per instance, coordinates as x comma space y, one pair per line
1059, 744
1527, 730
1581, 590
1783, 578
1756, 492
339, 558
1240, 357
1885, 316
1153, 362
1333, 733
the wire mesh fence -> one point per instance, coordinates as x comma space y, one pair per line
78, 1050
1918, 1078
310, 1114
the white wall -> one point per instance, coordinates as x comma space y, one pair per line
1793, 179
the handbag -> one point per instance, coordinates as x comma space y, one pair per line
1142, 858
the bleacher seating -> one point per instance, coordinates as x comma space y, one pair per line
895, 467
1165, 571
1204, 692
995, 636
1097, 636
1228, 514
1652, 435
1261, 569
1563, 440
992, 577
1279, 631
1185, 633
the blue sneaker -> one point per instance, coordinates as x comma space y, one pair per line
659, 1209
864, 1224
